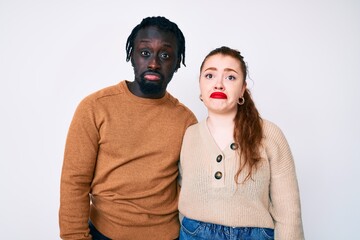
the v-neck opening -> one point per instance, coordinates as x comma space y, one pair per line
227, 146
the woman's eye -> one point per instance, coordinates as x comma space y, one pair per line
209, 76
231, 77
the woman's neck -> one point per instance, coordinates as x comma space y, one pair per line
221, 128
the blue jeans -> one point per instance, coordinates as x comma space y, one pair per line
96, 235
196, 230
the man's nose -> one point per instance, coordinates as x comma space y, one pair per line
154, 63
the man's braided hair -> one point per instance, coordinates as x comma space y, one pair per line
163, 24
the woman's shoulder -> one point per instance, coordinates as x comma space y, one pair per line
272, 131
196, 130
270, 127
192, 129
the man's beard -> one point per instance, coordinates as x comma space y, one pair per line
150, 87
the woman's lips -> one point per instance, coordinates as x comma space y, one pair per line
218, 95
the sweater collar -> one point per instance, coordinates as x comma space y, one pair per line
132, 97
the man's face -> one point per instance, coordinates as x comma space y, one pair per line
155, 59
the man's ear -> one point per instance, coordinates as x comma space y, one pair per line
178, 64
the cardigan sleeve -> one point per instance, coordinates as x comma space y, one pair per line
77, 173
191, 121
284, 191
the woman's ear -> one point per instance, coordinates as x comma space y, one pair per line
243, 89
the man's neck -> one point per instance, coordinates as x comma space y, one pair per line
135, 89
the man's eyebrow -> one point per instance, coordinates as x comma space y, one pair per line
166, 44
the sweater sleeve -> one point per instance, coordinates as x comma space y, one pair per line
77, 173
284, 192
191, 121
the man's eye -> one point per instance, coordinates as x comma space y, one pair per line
144, 53
165, 55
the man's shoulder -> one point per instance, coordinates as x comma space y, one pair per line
176, 103
106, 92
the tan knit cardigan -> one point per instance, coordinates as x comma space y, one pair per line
270, 200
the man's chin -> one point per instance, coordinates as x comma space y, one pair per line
151, 87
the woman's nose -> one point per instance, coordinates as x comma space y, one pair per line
219, 85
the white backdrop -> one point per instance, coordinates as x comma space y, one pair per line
304, 61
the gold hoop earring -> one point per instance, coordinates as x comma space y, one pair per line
200, 97
241, 101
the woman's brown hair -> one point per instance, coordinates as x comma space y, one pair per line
248, 131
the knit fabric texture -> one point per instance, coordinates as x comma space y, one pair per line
121, 155
270, 199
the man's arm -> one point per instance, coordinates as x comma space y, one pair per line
77, 173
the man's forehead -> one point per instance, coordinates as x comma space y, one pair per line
153, 33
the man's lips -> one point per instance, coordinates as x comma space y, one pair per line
152, 76
219, 95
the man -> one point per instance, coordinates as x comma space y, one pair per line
119, 175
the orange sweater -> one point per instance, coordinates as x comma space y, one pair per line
121, 155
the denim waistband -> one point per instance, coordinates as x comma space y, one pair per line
96, 235
193, 229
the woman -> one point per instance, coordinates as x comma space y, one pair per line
238, 174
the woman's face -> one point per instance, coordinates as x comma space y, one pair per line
221, 84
